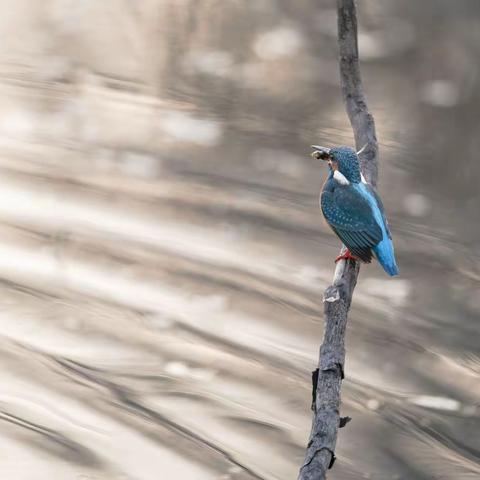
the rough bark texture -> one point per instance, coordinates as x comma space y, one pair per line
361, 119
337, 298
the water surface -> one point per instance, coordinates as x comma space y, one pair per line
163, 258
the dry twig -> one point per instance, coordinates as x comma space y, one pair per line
337, 297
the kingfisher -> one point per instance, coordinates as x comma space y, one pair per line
354, 210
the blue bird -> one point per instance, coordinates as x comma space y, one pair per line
354, 210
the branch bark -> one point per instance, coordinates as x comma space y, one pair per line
337, 297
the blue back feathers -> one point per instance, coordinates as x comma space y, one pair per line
384, 250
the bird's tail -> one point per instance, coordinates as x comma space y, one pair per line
386, 256
390, 268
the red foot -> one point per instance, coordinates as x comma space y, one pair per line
346, 256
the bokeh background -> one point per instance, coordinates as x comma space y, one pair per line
162, 255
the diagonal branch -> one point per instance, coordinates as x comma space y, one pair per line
361, 119
337, 298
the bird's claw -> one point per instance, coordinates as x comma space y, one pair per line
346, 256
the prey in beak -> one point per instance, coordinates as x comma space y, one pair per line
323, 153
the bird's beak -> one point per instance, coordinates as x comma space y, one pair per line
321, 153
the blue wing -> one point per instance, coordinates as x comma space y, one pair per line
384, 251
377, 198
351, 218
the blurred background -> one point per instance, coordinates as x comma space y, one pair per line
163, 257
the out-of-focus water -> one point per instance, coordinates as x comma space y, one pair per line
162, 255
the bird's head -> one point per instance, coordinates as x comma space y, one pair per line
343, 159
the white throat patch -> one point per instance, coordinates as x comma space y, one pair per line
340, 178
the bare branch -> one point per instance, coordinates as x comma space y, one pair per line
337, 298
361, 119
